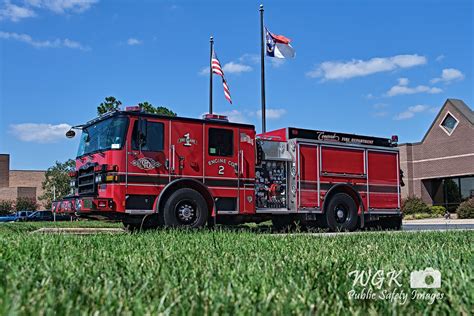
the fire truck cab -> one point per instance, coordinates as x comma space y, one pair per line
149, 170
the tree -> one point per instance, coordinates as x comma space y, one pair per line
110, 104
26, 204
6, 207
57, 179
147, 107
161, 110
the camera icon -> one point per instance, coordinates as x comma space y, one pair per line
425, 279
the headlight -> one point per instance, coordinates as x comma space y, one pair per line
72, 183
98, 178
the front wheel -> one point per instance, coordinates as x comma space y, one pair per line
341, 213
186, 208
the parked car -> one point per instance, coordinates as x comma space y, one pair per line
23, 215
16, 217
41, 216
8, 218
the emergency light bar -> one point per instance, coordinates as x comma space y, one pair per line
134, 108
215, 117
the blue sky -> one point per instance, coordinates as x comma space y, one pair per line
369, 67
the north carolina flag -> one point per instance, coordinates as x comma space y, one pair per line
278, 46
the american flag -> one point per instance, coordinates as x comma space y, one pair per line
217, 69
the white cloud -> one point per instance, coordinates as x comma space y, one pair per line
369, 96
272, 114
380, 110
133, 41
15, 13
26, 8
249, 117
380, 114
403, 88
411, 111
403, 81
229, 68
236, 116
335, 70
39, 133
249, 58
276, 62
204, 71
440, 58
63, 6
379, 106
448, 75
56, 43
235, 68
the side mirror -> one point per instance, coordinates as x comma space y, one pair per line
70, 133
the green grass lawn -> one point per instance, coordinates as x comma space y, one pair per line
224, 272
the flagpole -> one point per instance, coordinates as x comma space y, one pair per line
262, 57
211, 40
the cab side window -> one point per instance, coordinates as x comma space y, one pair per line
221, 142
153, 138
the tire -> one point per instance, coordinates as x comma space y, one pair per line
186, 208
341, 213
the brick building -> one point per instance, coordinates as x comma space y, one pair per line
19, 183
440, 168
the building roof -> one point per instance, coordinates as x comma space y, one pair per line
459, 105
463, 108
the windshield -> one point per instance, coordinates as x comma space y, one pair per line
104, 135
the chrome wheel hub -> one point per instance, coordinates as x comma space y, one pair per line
186, 212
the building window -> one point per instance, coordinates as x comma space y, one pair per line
450, 192
221, 142
449, 123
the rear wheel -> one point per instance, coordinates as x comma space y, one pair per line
186, 208
341, 213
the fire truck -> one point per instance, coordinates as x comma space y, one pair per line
148, 170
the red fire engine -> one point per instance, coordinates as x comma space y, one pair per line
151, 170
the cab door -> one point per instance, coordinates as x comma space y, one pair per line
186, 152
221, 166
147, 162
247, 170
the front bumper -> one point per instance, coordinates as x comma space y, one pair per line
81, 205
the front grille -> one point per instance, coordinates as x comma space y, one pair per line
86, 181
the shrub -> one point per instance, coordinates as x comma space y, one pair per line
6, 207
466, 209
438, 210
412, 205
25, 203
